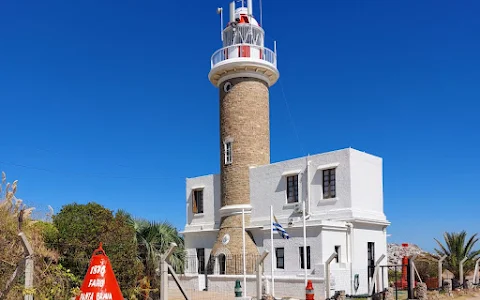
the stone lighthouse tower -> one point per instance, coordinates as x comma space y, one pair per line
243, 71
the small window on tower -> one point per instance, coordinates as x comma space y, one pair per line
228, 152
197, 201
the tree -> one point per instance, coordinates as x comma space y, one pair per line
81, 228
153, 239
427, 266
456, 249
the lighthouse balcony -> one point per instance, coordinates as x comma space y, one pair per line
246, 60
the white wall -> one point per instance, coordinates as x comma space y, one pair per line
194, 240
201, 229
210, 218
268, 187
359, 195
359, 190
362, 234
367, 185
291, 251
221, 285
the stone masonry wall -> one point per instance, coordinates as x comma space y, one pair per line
244, 120
244, 117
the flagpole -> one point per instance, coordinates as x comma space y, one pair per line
271, 249
244, 263
305, 265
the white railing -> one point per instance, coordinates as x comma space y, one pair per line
249, 51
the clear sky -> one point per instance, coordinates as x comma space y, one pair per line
109, 101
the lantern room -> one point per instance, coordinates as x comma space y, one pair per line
243, 46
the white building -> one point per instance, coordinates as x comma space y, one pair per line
342, 191
343, 194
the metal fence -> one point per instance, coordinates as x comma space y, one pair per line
396, 280
221, 264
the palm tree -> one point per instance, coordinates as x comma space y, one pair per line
153, 239
456, 249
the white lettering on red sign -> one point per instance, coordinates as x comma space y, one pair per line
104, 296
96, 283
98, 269
86, 296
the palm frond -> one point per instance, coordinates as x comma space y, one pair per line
456, 248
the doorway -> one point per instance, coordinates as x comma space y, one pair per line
370, 263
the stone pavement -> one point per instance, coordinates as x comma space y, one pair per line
175, 294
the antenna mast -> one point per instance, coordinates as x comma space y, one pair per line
220, 12
261, 14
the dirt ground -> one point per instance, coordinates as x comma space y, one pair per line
457, 295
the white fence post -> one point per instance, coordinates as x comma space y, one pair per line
440, 271
461, 269
164, 272
376, 275
29, 265
260, 273
475, 272
327, 274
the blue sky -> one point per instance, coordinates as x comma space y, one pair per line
110, 101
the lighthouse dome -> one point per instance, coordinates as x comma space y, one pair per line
243, 11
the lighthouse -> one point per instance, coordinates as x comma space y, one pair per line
243, 70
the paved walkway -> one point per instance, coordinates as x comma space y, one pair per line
175, 294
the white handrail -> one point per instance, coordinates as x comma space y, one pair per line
262, 53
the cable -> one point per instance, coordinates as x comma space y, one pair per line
291, 118
82, 174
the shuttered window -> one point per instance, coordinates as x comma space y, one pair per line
197, 202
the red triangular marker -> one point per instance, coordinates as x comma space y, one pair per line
100, 282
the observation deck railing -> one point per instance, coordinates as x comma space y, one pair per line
244, 51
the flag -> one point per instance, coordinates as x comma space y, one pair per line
277, 227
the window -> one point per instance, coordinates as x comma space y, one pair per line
292, 189
228, 152
329, 190
201, 260
279, 252
371, 258
302, 266
337, 250
197, 202
222, 261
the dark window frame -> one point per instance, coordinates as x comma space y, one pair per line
338, 250
201, 260
222, 261
300, 251
292, 188
329, 183
280, 259
228, 152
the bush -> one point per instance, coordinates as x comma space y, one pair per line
51, 280
427, 267
81, 228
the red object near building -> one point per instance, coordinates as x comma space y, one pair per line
404, 268
402, 283
309, 292
432, 283
100, 282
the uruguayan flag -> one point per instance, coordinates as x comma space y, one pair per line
277, 227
